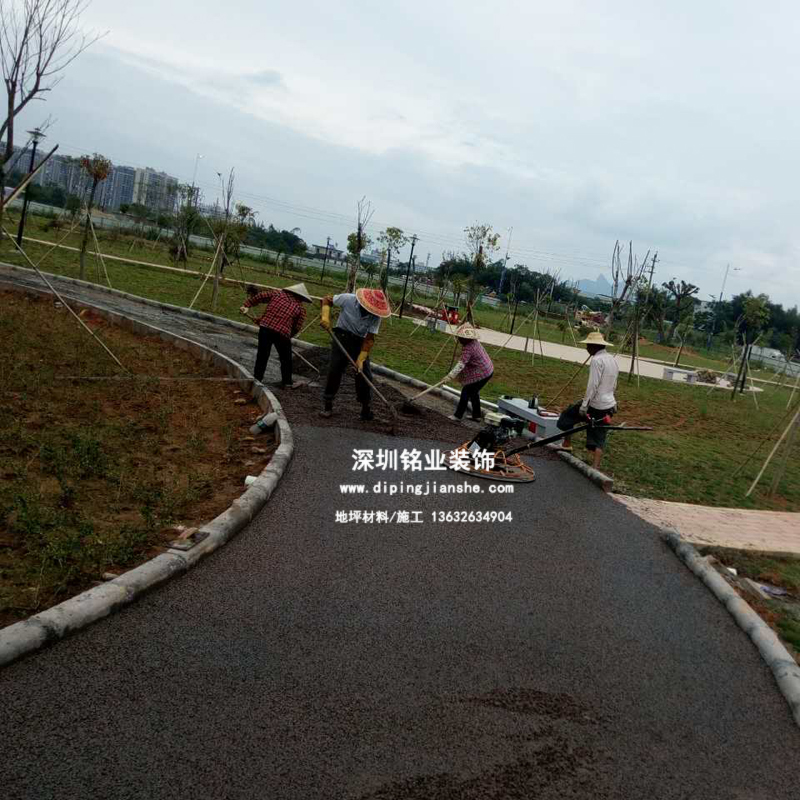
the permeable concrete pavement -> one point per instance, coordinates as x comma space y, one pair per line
566, 653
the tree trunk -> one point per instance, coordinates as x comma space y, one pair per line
217, 273
353, 274
85, 239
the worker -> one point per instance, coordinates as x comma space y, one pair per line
358, 323
474, 370
282, 319
599, 401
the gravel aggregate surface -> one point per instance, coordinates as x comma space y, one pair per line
566, 654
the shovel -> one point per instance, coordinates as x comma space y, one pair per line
392, 409
408, 407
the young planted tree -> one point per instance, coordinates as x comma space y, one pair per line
358, 241
97, 168
38, 40
681, 293
482, 244
623, 280
393, 240
219, 265
185, 222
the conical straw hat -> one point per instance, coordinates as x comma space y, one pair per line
300, 290
374, 301
595, 337
466, 331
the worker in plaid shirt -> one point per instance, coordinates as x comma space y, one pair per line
474, 370
282, 319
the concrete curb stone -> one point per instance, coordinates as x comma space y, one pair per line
25, 637
784, 668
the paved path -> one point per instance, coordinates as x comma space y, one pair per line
566, 654
772, 531
646, 369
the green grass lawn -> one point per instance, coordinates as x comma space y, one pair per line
699, 438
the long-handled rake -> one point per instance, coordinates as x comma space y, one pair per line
392, 409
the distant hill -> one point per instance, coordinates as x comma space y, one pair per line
595, 287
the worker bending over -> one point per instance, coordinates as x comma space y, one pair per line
358, 323
474, 370
282, 319
598, 402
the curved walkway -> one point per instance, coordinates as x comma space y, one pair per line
566, 653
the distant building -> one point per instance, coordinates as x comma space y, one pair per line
118, 188
154, 189
318, 251
124, 185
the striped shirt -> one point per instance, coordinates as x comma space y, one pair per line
284, 313
476, 361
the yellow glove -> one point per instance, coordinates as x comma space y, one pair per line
362, 357
325, 320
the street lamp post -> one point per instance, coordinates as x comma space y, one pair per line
37, 136
325, 259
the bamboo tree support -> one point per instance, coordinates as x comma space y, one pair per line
58, 243
307, 327
208, 275
65, 303
575, 375
787, 449
435, 358
755, 452
786, 430
511, 335
99, 254
794, 389
571, 329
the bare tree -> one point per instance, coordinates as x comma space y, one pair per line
623, 280
97, 168
681, 292
357, 241
227, 200
38, 40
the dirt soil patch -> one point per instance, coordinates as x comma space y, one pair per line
95, 474
302, 407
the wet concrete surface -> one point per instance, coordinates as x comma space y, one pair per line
564, 654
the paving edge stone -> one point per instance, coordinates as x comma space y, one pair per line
55, 623
784, 668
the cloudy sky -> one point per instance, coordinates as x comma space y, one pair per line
575, 123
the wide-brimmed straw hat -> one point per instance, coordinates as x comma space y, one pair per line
374, 301
466, 331
595, 337
300, 290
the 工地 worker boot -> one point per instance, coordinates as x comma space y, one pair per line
327, 411
366, 414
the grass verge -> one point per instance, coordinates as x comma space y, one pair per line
95, 473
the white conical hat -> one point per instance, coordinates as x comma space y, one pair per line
595, 337
466, 331
300, 290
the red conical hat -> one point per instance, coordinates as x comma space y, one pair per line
374, 301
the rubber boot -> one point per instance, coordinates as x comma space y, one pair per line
366, 414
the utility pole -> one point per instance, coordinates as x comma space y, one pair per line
408, 270
413, 279
36, 135
505, 264
325, 260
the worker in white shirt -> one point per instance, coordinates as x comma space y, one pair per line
599, 401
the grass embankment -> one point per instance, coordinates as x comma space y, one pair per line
699, 438
125, 244
777, 570
94, 472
